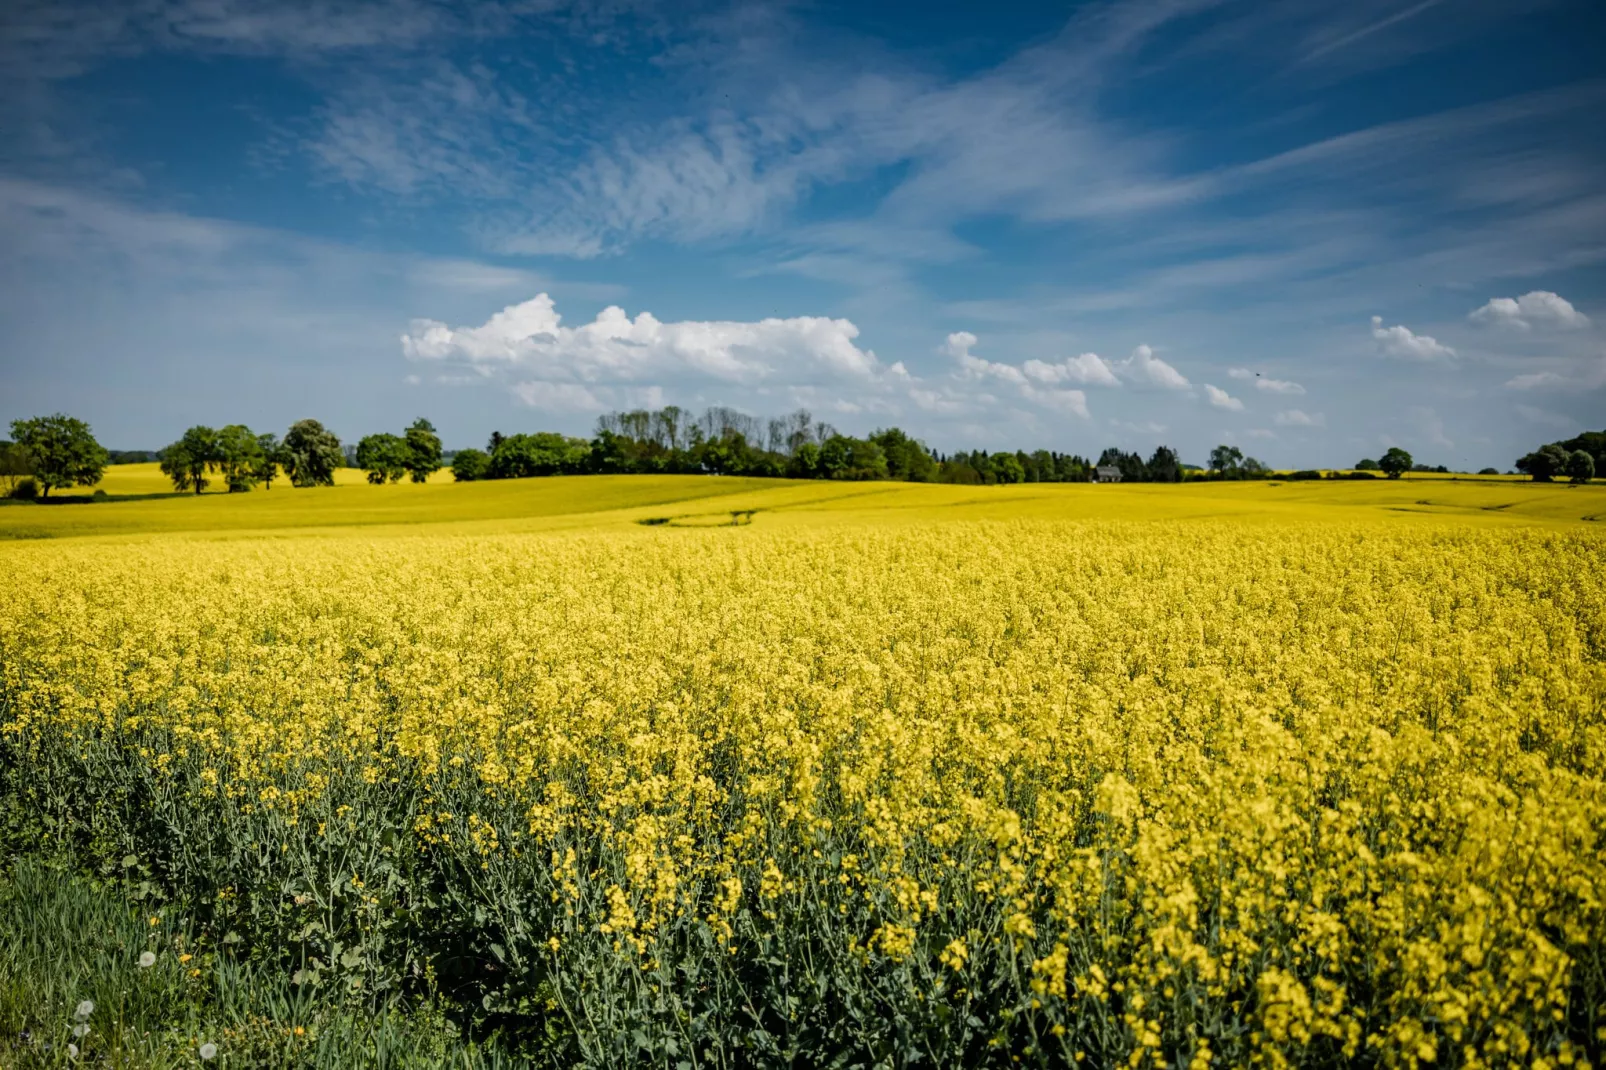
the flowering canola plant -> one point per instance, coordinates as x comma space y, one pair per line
970, 793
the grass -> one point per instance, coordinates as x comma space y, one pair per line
680, 501
66, 941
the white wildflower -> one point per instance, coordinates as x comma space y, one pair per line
208, 1050
81, 1030
86, 1008
147, 960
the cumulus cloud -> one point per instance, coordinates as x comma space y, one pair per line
1399, 341
1087, 369
1146, 369
551, 366
1035, 381
1220, 399
1299, 418
1537, 309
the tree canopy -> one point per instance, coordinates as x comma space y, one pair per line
61, 451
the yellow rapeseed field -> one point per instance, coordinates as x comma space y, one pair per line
955, 787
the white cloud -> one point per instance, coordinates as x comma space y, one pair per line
1085, 368
1278, 386
1399, 341
1299, 418
1590, 375
1220, 399
1034, 380
1269, 386
1539, 308
1145, 368
557, 367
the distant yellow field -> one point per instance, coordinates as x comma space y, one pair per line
588, 501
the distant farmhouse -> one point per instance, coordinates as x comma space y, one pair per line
1106, 473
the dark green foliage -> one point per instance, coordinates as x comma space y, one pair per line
1545, 463
1366, 464
60, 451
907, 459
1226, 461
469, 465
239, 457
14, 467
1580, 467
1488, 471
384, 456
25, 489
1164, 466
423, 450
310, 455
187, 461
270, 457
544, 453
1395, 463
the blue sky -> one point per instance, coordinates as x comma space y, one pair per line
1313, 230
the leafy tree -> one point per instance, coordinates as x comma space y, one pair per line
805, 461
1006, 468
1580, 467
269, 458
844, 457
544, 453
470, 465
385, 456
1545, 463
311, 455
1395, 463
1366, 464
1226, 460
1165, 466
423, 450
907, 458
187, 461
239, 457
1254, 468
1488, 471
14, 467
61, 451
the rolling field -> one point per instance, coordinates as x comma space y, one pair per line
1300, 773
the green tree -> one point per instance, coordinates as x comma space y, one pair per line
14, 467
384, 456
1580, 467
1226, 460
545, 453
61, 451
311, 455
423, 450
1545, 463
187, 461
1395, 463
1366, 464
1165, 466
270, 455
470, 465
1008, 469
239, 457
907, 458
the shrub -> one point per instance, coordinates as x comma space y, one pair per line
27, 489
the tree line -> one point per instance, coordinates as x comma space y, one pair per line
1578, 459
723, 441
